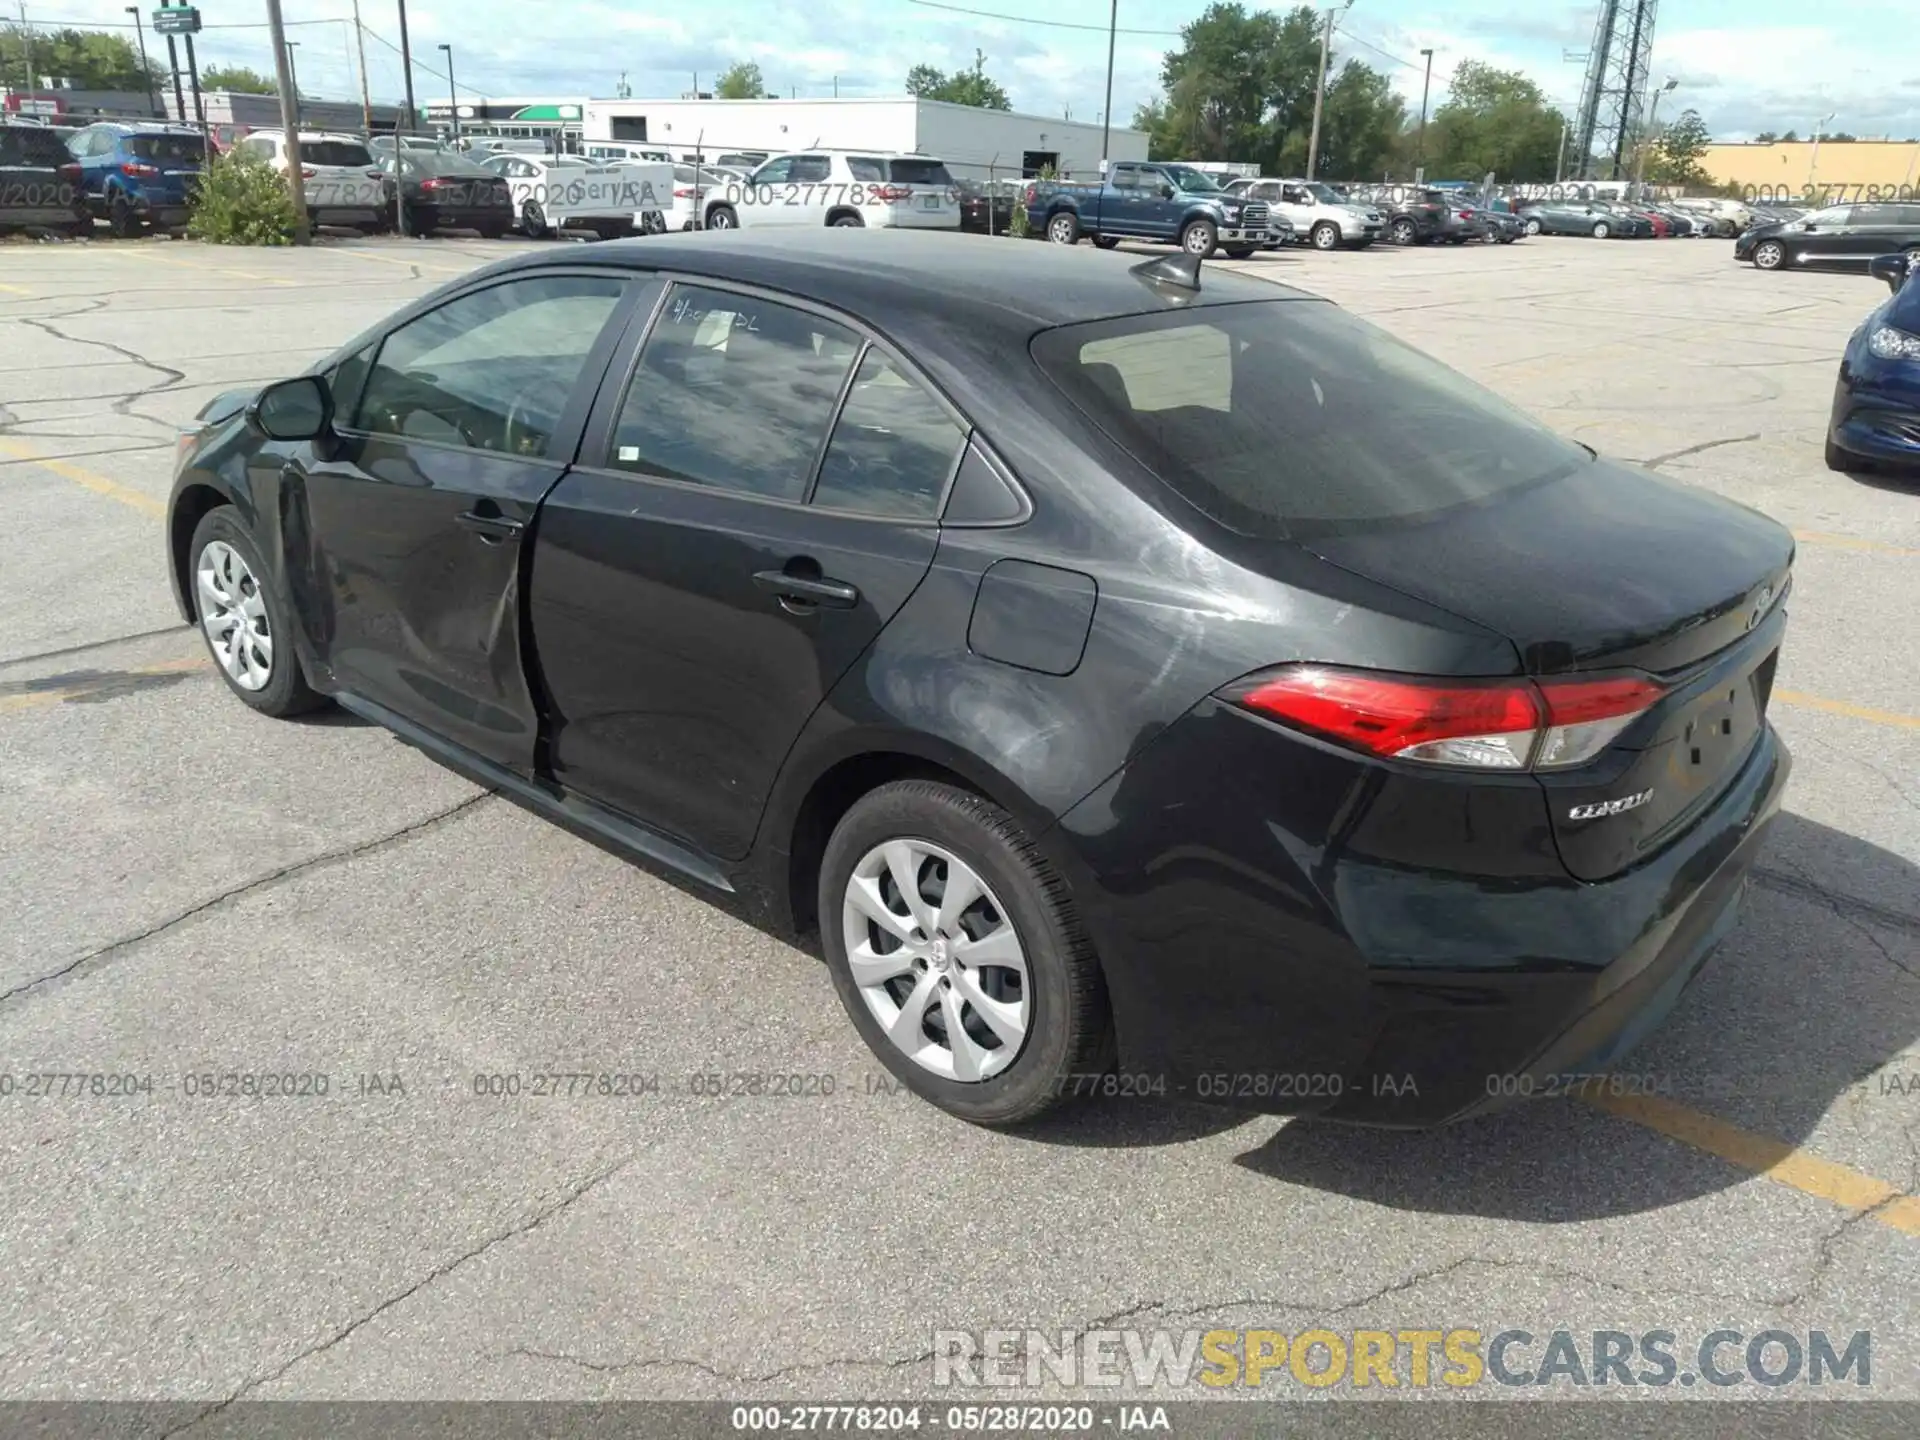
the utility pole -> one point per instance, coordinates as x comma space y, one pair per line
173, 68
1560, 160
193, 79
406, 72
1106, 115
146, 70
289, 122
293, 70
26, 52
366, 100
453, 98
1320, 90
1420, 144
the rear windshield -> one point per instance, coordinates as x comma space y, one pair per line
176, 149
917, 172
335, 152
31, 145
1285, 419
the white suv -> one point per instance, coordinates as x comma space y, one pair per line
1320, 215
839, 187
343, 185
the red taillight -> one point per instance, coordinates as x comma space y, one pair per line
1028, 194
71, 172
683, 192
890, 192
431, 184
136, 168
307, 172
1466, 214
1475, 724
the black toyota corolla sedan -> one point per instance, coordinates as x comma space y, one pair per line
1147, 680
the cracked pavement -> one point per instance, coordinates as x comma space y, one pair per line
194, 890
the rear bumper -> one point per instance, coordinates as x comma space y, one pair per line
1256, 962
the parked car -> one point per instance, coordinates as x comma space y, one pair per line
40, 182
409, 142
1427, 217
1171, 204
1441, 754
555, 193
986, 207
1583, 217
442, 190
1317, 213
343, 184
1875, 419
138, 175
631, 151
1837, 236
1503, 225
694, 187
842, 188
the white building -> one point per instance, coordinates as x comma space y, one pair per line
976, 144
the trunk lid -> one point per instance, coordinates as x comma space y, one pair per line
1607, 569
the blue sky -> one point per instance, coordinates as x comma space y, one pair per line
1746, 65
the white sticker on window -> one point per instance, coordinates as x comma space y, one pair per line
629, 452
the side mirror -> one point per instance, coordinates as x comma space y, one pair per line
1166, 191
1893, 269
296, 409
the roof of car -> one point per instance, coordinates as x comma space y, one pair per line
902, 279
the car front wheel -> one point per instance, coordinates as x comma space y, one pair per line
1402, 232
959, 954
1769, 255
247, 629
1325, 235
1601, 231
1533, 227
533, 220
1199, 238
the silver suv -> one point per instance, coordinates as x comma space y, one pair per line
1319, 214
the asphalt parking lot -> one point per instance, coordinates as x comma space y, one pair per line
194, 890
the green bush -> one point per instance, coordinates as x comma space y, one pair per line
242, 200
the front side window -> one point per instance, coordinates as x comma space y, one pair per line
775, 172
893, 446
1283, 419
733, 392
492, 370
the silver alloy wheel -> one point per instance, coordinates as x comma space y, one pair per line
1062, 230
1325, 236
234, 615
937, 960
1768, 254
1199, 240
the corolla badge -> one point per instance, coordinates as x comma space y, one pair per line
1601, 808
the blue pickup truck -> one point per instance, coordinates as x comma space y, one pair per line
1173, 204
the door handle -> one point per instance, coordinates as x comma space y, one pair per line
802, 590
492, 528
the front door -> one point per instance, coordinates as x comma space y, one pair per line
405, 538
750, 510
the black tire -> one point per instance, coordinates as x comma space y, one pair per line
721, 217
1200, 237
1533, 227
1402, 232
1601, 230
1106, 242
286, 692
1769, 255
847, 220
1069, 1029
1063, 228
493, 232
1240, 252
533, 220
1325, 236
123, 221
418, 226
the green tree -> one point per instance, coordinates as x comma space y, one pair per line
1361, 124
1675, 156
1493, 120
90, 59
1790, 138
963, 87
238, 80
1765, 137
742, 81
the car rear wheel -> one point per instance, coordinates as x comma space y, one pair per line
959, 954
533, 219
246, 628
848, 221
1769, 255
1239, 252
1325, 235
1199, 237
1063, 229
1602, 230
123, 221
1533, 227
721, 217
1106, 242
1401, 232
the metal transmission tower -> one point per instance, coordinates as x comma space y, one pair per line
1615, 91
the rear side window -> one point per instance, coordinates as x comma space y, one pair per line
1284, 419
893, 447
30, 145
335, 152
918, 172
733, 392
866, 168
174, 149
810, 169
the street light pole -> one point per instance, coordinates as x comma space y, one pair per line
1646, 140
406, 73
453, 100
1813, 160
293, 72
146, 70
1106, 115
1320, 89
289, 121
1420, 144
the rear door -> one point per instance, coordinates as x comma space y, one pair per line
405, 538
1883, 230
753, 504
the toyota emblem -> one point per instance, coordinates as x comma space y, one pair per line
1761, 602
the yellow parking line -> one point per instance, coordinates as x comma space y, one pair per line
1772, 1159
216, 271
34, 699
15, 290
99, 484
402, 260
1847, 542
1847, 708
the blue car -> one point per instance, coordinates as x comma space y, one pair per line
1876, 401
136, 175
